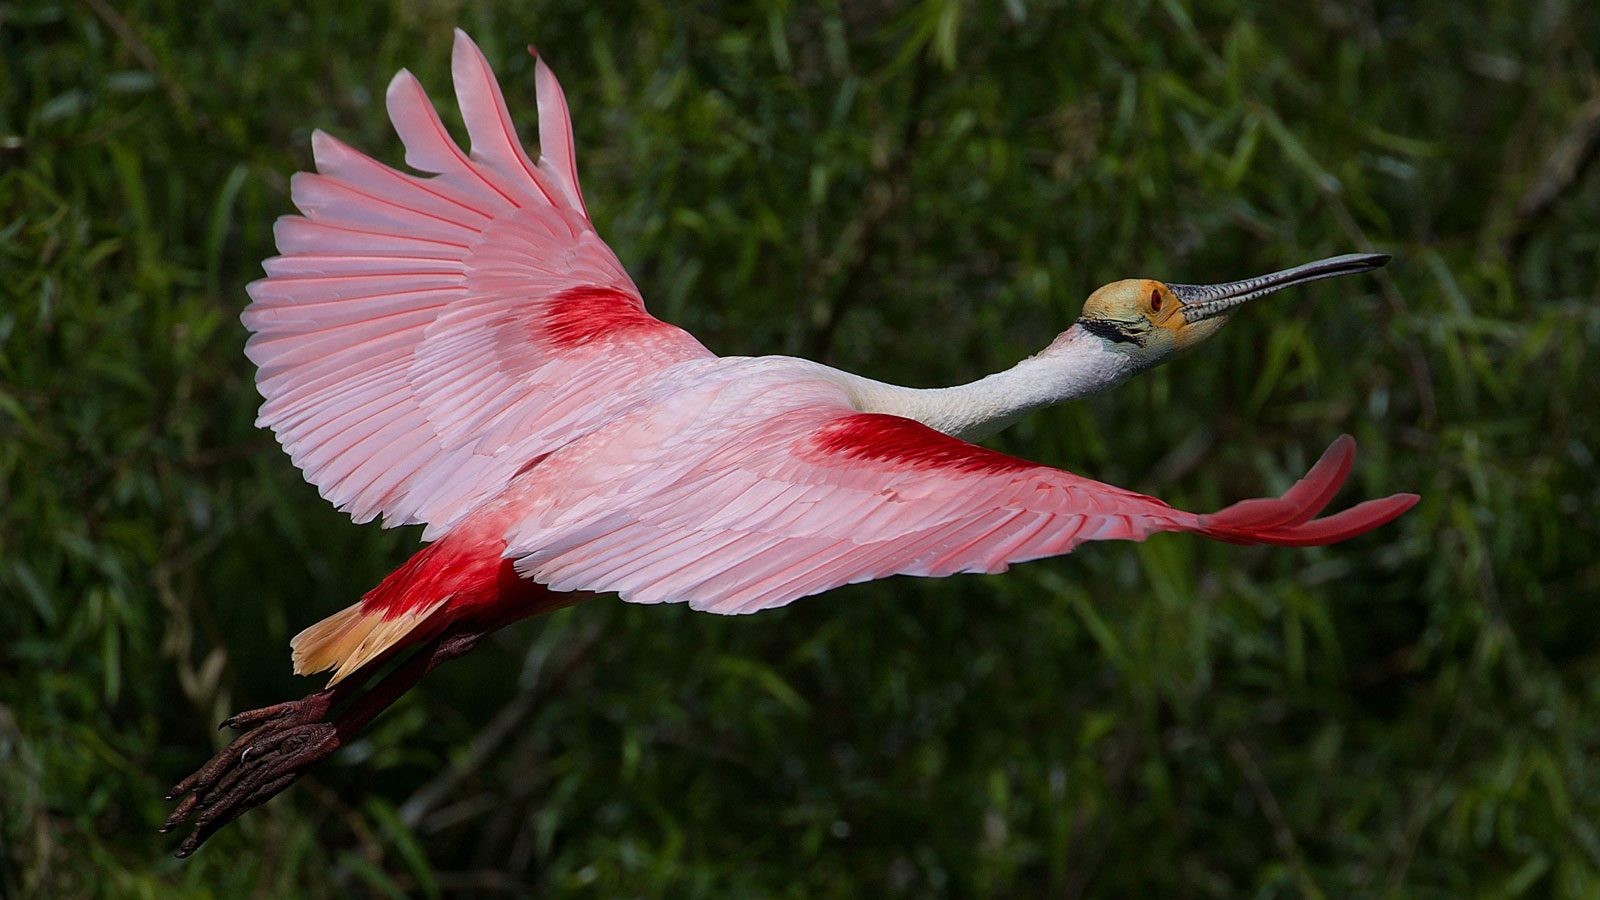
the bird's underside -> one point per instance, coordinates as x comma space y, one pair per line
463, 351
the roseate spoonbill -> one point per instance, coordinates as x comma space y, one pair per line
462, 350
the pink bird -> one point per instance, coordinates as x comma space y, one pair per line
461, 350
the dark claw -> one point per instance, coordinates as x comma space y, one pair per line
225, 757
271, 756
180, 813
206, 829
282, 742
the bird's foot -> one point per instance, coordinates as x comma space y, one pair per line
278, 744
281, 741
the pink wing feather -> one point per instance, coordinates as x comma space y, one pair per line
420, 339
753, 495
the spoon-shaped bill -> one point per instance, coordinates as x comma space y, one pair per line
1203, 301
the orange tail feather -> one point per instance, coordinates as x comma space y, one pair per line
355, 636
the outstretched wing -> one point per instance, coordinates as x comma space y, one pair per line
777, 507
420, 339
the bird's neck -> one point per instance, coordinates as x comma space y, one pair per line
1075, 365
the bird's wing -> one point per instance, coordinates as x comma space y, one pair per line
735, 513
422, 338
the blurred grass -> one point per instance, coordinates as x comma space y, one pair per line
920, 192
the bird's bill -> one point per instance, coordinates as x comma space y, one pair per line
1205, 301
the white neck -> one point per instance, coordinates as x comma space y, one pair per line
1075, 365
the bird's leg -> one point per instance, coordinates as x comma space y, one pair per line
282, 741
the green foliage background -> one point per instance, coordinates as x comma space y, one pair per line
922, 192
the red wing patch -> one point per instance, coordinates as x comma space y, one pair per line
580, 315
899, 440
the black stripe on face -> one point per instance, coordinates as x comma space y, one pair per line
1111, 331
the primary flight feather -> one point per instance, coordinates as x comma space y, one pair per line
460, 349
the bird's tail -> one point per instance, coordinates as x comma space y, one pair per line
357, 635
461, 576
1290, 520
410, 605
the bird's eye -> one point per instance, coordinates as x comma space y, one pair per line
1155, 301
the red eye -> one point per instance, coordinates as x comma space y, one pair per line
1155, 301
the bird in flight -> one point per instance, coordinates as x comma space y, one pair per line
461, 350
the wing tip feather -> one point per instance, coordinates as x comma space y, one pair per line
1291, 520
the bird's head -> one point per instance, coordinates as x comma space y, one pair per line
1152, 321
